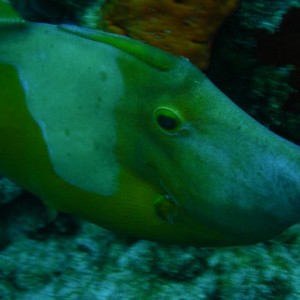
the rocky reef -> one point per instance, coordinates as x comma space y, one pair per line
72, 259
255, 63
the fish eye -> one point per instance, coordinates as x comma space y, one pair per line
167, 120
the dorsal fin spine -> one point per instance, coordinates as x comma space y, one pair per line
8, 16
148, 54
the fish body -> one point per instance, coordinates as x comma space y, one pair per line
137, 140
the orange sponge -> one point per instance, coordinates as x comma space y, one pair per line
184, 28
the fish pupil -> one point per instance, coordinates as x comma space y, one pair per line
167, 123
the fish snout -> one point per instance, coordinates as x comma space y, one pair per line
264, 198
247, 190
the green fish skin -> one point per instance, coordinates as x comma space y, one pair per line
137, 140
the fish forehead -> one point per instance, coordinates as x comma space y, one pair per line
72, 97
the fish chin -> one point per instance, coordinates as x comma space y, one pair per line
254, 202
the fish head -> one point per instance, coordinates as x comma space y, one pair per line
208, 157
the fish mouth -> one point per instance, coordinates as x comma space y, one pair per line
254, 214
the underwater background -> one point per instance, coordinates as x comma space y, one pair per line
253, 57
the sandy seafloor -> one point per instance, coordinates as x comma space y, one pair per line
72, 259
